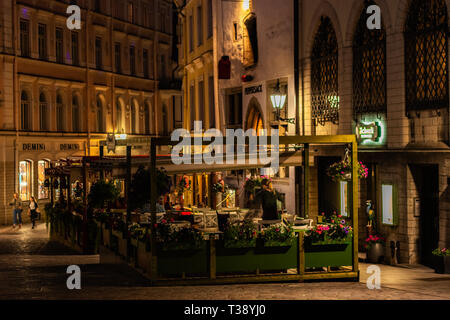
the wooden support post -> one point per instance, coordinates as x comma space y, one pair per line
306, 181
85, 222
301, 254
102, 172
212, 257
355, 203
154, 256
127, 186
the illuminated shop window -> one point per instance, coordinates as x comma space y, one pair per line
25, 180
42, 191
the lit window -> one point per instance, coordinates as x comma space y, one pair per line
25, 180
42, 190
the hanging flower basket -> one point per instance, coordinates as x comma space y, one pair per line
342, 171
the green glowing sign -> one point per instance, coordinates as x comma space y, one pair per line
371, 132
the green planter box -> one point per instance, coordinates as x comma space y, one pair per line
239, 243
328, 255
176, 260
272, 243
248, 260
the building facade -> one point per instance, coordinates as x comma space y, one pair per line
253, 40
390, 87
62, 91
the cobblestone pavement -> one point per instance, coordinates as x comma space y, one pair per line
31, 267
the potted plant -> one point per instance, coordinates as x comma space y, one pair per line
441, 260
278, 236
342, 171
375, 248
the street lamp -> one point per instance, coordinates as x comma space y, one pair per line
278, 99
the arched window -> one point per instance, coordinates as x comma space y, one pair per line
119, 116
25, 115
426, 54
147, 118
100, 127
165, 120
324, 75
75, 114
369, 68
43, 113
59, 113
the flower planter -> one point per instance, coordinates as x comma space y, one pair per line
273, 243
375, 253
441, 264
239, 243
178, 259
328, 254
249, 260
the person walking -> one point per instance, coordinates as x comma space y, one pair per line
33, 211
17, 210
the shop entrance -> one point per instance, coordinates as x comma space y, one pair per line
328, 189
426, 179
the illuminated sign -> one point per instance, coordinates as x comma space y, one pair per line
371, 132
368, 131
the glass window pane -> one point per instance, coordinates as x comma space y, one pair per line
24, 180
42, 191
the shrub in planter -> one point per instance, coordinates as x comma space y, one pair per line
278, 236
102, 193
240, 235
170, 238
441, 260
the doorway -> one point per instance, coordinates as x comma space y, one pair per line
328, 189
426, 179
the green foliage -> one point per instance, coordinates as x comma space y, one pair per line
242, 231
283, 233
101, 194
335, 229
340, 171
140, 187
441, 252
170, 238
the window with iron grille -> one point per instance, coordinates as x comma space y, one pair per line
426, 52
369, 68
324, 75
